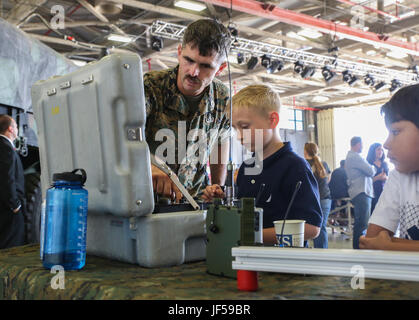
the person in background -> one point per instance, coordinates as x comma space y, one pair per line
376, 158
361, 192
338, 183
338, 186
321, 173
256, 111
12, 187
398, 206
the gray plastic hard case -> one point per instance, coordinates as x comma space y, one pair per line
94, 119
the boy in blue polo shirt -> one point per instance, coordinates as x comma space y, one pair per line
275, 165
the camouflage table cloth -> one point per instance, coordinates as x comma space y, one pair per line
22, 276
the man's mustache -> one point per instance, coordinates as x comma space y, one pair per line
193, 79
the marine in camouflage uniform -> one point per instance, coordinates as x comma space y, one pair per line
189, 134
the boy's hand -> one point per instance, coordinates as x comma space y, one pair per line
383, 176
381, 242
211, 192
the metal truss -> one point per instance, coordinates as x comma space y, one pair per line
257, 48
375, 264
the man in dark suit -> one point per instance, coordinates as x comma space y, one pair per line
12, 203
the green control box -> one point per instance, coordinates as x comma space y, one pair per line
229, 227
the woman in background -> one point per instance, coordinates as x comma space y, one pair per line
376, 158
321, 172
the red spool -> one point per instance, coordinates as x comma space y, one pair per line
247, 280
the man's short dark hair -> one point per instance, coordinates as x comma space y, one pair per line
355, 140
404, 105
5, 122
208, 35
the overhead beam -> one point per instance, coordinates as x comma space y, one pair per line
268, 11
356, 98
23, 9
68, 24
192, 16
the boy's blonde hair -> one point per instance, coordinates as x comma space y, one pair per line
259, 97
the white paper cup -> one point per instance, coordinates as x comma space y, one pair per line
293, 235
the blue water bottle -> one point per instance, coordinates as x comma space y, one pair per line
65, 221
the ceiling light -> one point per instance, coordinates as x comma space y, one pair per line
320, 99
369, 80
328, 74
79, 63
251, 64
313, 34
276, 65
107, 7
395, 84
293, 35
308, 72
371, 52
190, 5
119, 38
156, 43
346, 76
240, 58
298, 67
349, 78
397, 54
353, 80
266, 61
380, 86
233, 31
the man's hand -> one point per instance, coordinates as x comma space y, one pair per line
381, 242
163, 186
16, 210
211, 192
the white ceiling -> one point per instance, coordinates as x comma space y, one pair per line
90, 27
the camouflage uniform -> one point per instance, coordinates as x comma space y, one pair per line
189, 135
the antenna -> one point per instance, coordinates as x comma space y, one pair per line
297, 187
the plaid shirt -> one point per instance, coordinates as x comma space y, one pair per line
188, 134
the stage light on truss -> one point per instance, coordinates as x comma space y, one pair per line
156, 43
353, 80
252, 63
276, 65
348, 77
265, 61
298, 67
395, 84
369, 80
240, 58
308, 72
328, 74
233, 31
379, 86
